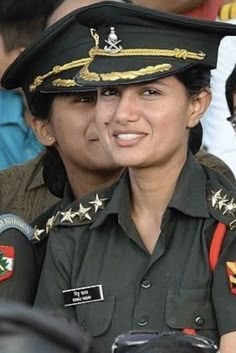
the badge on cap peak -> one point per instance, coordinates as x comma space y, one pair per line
113, 42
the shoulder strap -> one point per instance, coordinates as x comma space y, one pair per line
9, 221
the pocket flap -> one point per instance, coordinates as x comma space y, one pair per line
96, 317
190, 308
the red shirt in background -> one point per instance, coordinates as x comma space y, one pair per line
207, 11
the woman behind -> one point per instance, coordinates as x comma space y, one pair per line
76, 162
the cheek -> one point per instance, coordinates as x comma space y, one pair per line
103, 114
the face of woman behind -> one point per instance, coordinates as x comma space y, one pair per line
146, 124
71, 129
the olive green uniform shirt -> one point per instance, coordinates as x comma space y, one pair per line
23, 191
171, 289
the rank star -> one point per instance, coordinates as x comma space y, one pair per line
82, 213
222, 202
37, 233
50, 223
230, 208
98, 203
216, 196
67, 216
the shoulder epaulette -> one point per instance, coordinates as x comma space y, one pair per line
81, 213
78, 213
9, 221
222, 204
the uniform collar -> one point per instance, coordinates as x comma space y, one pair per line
190, 191
189, 196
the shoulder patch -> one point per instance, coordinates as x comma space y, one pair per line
9, 221
7, 257
222, 205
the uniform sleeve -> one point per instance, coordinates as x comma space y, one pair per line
224, 286
17, 267
55, 277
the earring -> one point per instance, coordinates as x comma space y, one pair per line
50, 138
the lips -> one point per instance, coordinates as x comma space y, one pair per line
128, 138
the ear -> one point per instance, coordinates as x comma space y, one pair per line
199, 105
43, 132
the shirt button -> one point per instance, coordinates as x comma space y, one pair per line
146, 284
143, 321
199, 321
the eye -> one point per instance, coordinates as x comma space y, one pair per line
85, 98
150, 92
109, 91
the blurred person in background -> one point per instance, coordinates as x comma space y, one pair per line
164, 342
205, 9
230, 93
20, 23
219, 137
24, 330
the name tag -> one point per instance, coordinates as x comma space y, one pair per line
83, 295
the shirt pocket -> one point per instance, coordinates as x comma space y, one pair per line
190, 308
96, 317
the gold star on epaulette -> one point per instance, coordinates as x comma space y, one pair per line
82, 213
37, 233
50, 222
223, 202
98, 203
67, 216
215, 197
230, 208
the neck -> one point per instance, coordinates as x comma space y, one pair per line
153, 187
83, 181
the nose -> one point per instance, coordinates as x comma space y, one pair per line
127, 108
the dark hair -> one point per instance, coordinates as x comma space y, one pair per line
194, 80
20, 33
230, 89
22, 21
54, 172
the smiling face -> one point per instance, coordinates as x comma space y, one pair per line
146, 124
71, 129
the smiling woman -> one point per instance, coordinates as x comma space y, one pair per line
148, 123
136, 253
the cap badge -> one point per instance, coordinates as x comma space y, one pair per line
113, 42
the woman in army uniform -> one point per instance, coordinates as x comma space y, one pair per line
135, 255
75, 162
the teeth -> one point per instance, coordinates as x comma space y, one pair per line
127, 137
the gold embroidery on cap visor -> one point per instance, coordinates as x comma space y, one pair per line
38, 81
177, 53
86, 75
64, 83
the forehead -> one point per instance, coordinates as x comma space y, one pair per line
169, 81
